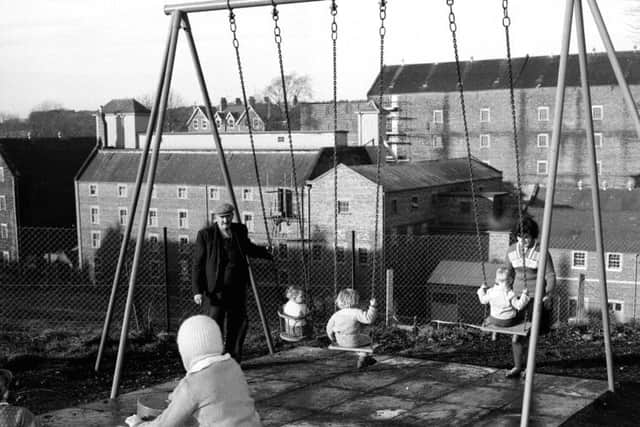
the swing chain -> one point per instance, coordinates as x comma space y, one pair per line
334, 24
278, 39
453, 27
334, 38
236, 44
382, 32
506, 21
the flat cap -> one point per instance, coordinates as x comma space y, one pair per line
223, 209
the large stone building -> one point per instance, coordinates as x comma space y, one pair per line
425, 120
36, 190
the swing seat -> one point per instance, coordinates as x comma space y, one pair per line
293, 329
368, 349
521, 329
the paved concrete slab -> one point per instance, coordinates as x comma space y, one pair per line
309, 386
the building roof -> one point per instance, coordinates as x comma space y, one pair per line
128, 105
462, 273
202, 167
430, 173
528, 72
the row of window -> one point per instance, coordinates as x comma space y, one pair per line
203, 124
579, 261
597, 113
542, 167
152, 218
182, 192
542, 140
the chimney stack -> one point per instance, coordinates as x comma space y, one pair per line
238, 101
252, 101
223, 104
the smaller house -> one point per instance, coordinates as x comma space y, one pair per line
263, 116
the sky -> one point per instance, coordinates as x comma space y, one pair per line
83, 53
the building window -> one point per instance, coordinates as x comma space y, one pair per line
123, 214
615, 306
316, 252
414, 203
247, 194
183, 218
363, 256
95, 239
598, 139
94, 215
543, 140
218, 122
285, 202
614, 262
283, 251
579, 260
542, 167
182, 193
597, 112
214, 193
6, 257
343, 206
1, 174
122, 190
3, 203
153, 238
231, 122
183, 240
4, 231
394, 206
195, 124
340, 253
438, 116
257, 124
205, 124
436, 141
543, 114
152, 221
485, 114
247, 219
93, 190
485, 141
280, 139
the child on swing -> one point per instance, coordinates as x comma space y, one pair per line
504, 303
296, 307
345, 326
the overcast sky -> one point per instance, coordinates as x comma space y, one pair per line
82, 53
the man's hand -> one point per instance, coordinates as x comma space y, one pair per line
546, 301
197, 298
372, 303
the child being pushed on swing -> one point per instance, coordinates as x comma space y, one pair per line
345, 326
504, 303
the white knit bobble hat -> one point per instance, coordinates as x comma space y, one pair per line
199, 336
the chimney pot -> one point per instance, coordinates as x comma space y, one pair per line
238, 101
223, 104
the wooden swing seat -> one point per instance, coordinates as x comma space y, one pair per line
520, 329
368, 349
292, 329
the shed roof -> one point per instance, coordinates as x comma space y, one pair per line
430, 173
462, 273
528, 71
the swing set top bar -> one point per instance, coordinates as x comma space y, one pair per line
205, 6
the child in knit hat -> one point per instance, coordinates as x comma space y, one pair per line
504, 303
214, 391
11, 415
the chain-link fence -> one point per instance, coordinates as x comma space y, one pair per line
419, 279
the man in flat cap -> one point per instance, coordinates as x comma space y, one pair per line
221, 275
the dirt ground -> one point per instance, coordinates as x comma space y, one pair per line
49, 383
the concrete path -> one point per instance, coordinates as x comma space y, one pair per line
310, 386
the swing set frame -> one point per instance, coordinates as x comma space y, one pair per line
179, 20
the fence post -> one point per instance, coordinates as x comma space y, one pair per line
353, 259
165, 245
389, 296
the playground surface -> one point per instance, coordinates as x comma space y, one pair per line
310, 386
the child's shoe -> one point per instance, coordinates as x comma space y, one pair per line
364, 361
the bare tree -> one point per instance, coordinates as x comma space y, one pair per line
48, 105
298, 88
632, 12
177, 110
